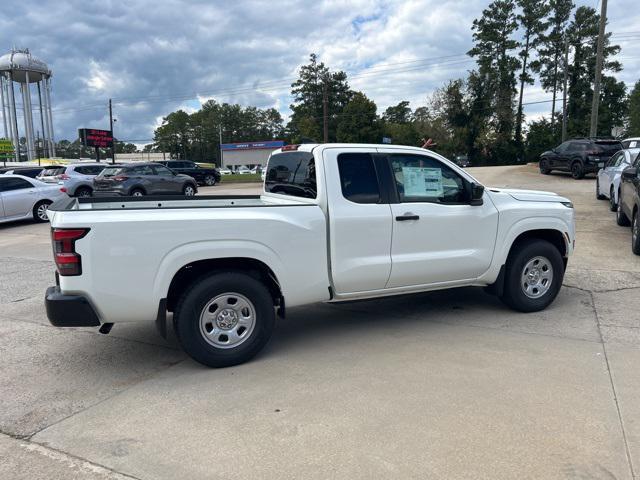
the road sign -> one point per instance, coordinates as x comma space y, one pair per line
90, 137
6, 148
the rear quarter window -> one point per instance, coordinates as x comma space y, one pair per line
292, 173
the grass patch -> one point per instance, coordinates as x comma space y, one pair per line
252, 178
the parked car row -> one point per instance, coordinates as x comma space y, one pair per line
619, 182
579, 156
23, 197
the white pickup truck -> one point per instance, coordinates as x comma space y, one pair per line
335, 222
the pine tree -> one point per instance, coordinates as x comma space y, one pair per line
532, 19
493, 50
551, 50
307, 117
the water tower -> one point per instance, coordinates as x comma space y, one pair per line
19, 66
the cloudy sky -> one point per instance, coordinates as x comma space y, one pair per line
153, 57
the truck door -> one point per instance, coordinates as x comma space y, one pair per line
359, 221
438, 236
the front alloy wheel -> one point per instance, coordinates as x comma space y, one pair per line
189, 191
612, 201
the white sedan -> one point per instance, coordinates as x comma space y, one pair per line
608, 179
23, 198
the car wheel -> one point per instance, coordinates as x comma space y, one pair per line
189, 190
136, 192
621, 218
40, 211
544, 167
635, 233
599, 196
612, 201
224, 319
83, 192
577, 172
209, 180
533, 276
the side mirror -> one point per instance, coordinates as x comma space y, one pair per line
477, 191
630, 173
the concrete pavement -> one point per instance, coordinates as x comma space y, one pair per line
448, 384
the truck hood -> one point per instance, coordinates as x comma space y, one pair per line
531, 195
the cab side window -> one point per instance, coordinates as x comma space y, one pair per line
420, 178
358, 178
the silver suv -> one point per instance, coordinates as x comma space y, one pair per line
76, 179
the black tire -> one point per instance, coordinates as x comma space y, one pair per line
577, 170
137, 192
191, 305
84, 192
613, 206
635, 233
209, 180
38, 210
521, 254
599, 196
544, 167
189, 190
621, 218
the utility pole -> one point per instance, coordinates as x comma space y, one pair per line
564, 89
220, 136
113, 141
593, 131
325, 112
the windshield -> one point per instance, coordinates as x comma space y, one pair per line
52, 172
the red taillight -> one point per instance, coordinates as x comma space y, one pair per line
289, 148
63, 189
69, 263
120, 178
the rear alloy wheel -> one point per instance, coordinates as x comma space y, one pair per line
577, 172
621, 218
533, 276
209, 180
40, 211
544, 167
612, 201
224, 319
137, 193
599, 196
83, 192
188, 190
635, 233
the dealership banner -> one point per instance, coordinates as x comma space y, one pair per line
270, 144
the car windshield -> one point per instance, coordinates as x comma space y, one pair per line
52, 172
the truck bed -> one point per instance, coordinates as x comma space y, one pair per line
154, 202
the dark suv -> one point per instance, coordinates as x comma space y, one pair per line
139, 179
579, 156
203, 175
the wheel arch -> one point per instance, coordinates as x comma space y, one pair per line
257, 269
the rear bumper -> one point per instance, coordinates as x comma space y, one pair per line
69, 310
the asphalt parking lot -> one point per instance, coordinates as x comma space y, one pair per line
442, 385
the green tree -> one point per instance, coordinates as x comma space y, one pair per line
540, 137
400, 113
551, 50
493, 50
307, 109
358, 122
633, 123
583, 37
533, 22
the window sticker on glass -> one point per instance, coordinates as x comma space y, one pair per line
422, 182
633, 144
